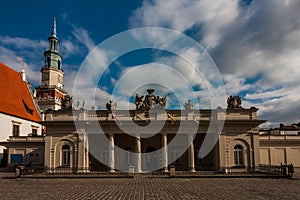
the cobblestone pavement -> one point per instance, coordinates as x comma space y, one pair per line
149, 188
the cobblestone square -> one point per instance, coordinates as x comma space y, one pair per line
149, 188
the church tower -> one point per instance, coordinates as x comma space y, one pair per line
51, 93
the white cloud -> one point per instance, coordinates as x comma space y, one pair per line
214, 17
16, 62
68, 48
22, 43
256, 47
82, 35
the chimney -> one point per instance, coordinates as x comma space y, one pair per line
23, 75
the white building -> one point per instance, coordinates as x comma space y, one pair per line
19, 116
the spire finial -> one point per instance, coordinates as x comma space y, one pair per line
54, 27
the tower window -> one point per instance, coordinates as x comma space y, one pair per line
238, 155
55, 46
58, 64
48, 62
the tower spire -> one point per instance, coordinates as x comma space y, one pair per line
51, 93
54, 27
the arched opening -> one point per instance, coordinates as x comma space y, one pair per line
65, 161
238, 155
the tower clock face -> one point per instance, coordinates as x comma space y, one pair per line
45, 77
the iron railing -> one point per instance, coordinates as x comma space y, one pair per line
284, 170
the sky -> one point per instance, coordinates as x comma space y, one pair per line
255, 46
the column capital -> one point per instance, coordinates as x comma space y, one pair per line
164, 134
110, 134
137, 135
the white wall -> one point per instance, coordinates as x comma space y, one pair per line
6, 127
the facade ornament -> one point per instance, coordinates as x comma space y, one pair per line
189, 105
234, 102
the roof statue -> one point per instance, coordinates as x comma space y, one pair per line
110, 106
234, 102
189, 105
66, 103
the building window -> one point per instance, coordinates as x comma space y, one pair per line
128, 156
16, 130
66, 155
34, 131
238, 155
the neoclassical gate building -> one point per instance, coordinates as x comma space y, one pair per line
88, 140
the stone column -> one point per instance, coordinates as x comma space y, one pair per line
52, 160
81, 153
111, 153
165, 152
87, 160
138, 155
191, 154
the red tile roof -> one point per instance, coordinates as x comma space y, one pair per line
15, 98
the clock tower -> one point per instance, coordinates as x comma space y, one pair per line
51, 93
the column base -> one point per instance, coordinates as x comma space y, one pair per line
192, 170
83, 171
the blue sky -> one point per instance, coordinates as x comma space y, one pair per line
255, 44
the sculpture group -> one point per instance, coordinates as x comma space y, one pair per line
234, 102
149, 101
145, 103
